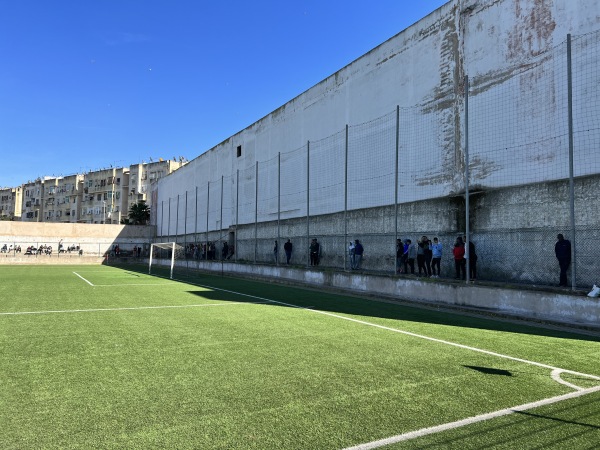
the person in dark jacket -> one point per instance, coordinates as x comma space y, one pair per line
562, 249
287, 247
358, 254
471, 255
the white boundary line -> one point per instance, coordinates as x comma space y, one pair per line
420, 336
133, 284
556, 371
134, 308
471, 420
87, 281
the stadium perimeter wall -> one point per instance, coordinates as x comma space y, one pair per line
93, 239
406, 99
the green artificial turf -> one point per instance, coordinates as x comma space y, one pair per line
101, 357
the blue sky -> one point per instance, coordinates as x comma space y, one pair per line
87, 84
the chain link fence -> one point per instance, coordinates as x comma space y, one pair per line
520, 169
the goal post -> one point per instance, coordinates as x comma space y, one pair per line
157, 251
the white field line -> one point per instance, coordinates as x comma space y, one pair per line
133, 308
555, 370
87, 281
133, 284
471, 420
420, 336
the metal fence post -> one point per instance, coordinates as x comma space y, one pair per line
467, 230
221, 218
344, 250
256, 213
308, 202
278, 207
177, 220
169, 221
207, 211
237, 213
196, 219
396, 186
571, 169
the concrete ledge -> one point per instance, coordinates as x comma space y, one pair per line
562, 308
49, 260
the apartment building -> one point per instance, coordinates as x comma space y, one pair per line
32, 207
62, 198
141, 177
10, 203
102, 197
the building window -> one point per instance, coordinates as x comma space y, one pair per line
239, 151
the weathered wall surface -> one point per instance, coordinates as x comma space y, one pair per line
406, 100
513, 53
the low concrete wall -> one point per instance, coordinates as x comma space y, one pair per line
559, 307
93, 239
50, 260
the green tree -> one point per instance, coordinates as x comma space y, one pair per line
139, 213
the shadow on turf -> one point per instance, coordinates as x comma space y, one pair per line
227, 288
539, 416
490, 371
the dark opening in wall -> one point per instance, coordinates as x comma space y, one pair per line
239, 151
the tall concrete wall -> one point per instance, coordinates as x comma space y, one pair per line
333, 153
514, 54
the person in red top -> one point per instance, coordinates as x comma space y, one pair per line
459, 258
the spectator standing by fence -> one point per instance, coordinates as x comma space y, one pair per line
428, 254
399, 255
287, 248
459, 258
562, 250
411, 255
358, 254
315, 252
351, 249
436, 253
471, 255
421, 257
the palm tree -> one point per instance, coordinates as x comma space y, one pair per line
139, 213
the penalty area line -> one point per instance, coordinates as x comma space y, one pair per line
471, 420
87, 281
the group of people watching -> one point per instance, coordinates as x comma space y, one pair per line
428, 256
6, 249
208, 251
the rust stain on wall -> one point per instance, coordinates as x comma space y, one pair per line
532, 32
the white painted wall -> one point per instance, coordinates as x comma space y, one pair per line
517, 120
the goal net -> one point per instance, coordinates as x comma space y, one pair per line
164, 253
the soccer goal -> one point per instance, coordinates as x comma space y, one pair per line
165, 251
